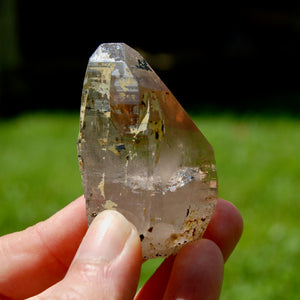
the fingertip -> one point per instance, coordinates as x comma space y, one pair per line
107, 263
201, 253
197, 272
225, 227
206, 247
109, 257
230, 211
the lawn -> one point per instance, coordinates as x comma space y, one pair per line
258, 161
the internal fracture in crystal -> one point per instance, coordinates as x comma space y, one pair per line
141, 154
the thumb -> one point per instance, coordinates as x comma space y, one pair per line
106, 265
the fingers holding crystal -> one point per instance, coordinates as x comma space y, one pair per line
107, 263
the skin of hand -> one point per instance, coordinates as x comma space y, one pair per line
61, 258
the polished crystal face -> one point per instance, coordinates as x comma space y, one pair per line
141, 154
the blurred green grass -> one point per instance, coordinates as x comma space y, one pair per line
258, 163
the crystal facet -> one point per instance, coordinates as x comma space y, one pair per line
141, 154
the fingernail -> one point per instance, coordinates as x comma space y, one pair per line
105, 238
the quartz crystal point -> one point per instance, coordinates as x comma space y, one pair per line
141, 154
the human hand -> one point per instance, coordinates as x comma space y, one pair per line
60, 259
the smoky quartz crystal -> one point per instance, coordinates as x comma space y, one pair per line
141, 154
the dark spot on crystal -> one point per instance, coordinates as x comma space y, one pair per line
162, 127
143, 103
119, 148
203, 219
157, 254
174, 236
150, 229
127, 157
94, 214
156, 135
188, 211
142, 237
142, 64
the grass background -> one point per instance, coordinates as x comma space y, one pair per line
258, 163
